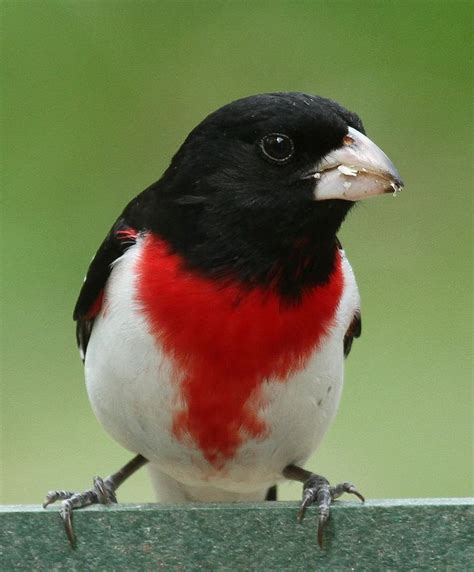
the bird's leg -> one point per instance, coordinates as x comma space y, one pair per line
103, 492
272, 494
316, 489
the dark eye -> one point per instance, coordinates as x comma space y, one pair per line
277, 147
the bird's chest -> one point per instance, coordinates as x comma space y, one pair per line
217, 368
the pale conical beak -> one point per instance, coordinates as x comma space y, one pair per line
356, 170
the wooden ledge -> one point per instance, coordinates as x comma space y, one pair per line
414, 534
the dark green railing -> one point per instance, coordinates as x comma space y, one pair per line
420, 534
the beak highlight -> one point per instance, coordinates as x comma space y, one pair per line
356, 170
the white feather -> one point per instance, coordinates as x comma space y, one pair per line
133, 391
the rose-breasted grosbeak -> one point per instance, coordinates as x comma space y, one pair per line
215, 317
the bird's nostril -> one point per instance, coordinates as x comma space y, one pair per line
347, 140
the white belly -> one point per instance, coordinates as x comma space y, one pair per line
133, 391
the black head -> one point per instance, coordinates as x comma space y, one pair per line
255, 152
238, 199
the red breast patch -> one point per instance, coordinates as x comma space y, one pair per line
227, 341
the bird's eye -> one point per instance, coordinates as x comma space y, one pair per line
277, 147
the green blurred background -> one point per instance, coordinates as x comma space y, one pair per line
96, 98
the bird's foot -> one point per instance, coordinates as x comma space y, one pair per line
316, 489
103, 492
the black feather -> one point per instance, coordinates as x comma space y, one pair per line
354, 331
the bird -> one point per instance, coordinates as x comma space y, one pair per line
216, 315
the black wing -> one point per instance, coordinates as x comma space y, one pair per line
134, 219
355, 327
354, 330
119, 239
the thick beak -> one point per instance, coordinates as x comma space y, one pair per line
356, 170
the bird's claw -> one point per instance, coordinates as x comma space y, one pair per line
103, 492
318, 490
341, 488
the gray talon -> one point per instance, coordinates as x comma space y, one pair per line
102, 493
317, 490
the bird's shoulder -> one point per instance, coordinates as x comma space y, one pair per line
119, 239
